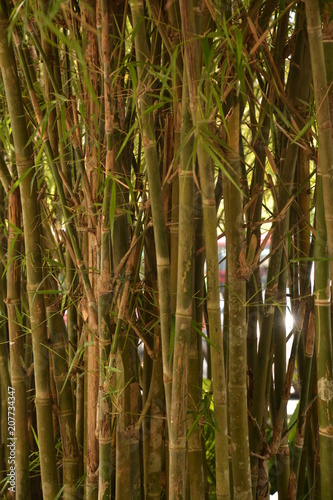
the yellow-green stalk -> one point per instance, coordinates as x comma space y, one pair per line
31, 226
206, 172
183, 324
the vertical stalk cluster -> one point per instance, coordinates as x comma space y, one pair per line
159, 211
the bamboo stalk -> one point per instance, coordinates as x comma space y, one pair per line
5, 177
325, 165
129, 402
323, 347
127, 455
5, 382
153, 412
31, 224
183, 324
255, 304
237, 389
303, 411
65, 389
66, 413
89, 167
280, 230
324, 234
104, 283
82, 266
213, 296
282, 458
149, 146
16, 344
196, 445
156, 425
173, 10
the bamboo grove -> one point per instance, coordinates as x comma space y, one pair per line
166, 203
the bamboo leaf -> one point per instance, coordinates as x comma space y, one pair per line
78, 355
304, 129
20, 179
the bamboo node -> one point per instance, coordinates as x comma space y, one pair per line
314, 29
323, 302
43, 401
208, 202
57, 345
66, 413
105, 440
326, 431
23, 160
12, 302
70, 460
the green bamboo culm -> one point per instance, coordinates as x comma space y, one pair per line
146, 116
31, 227
324, 221
104, 283
5, 381
303, 406
195, 444
93, 316
206, 172
314, 28
16, 344
66, 413
183, 325
282, 458
237, 274
271, 300
323, 349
